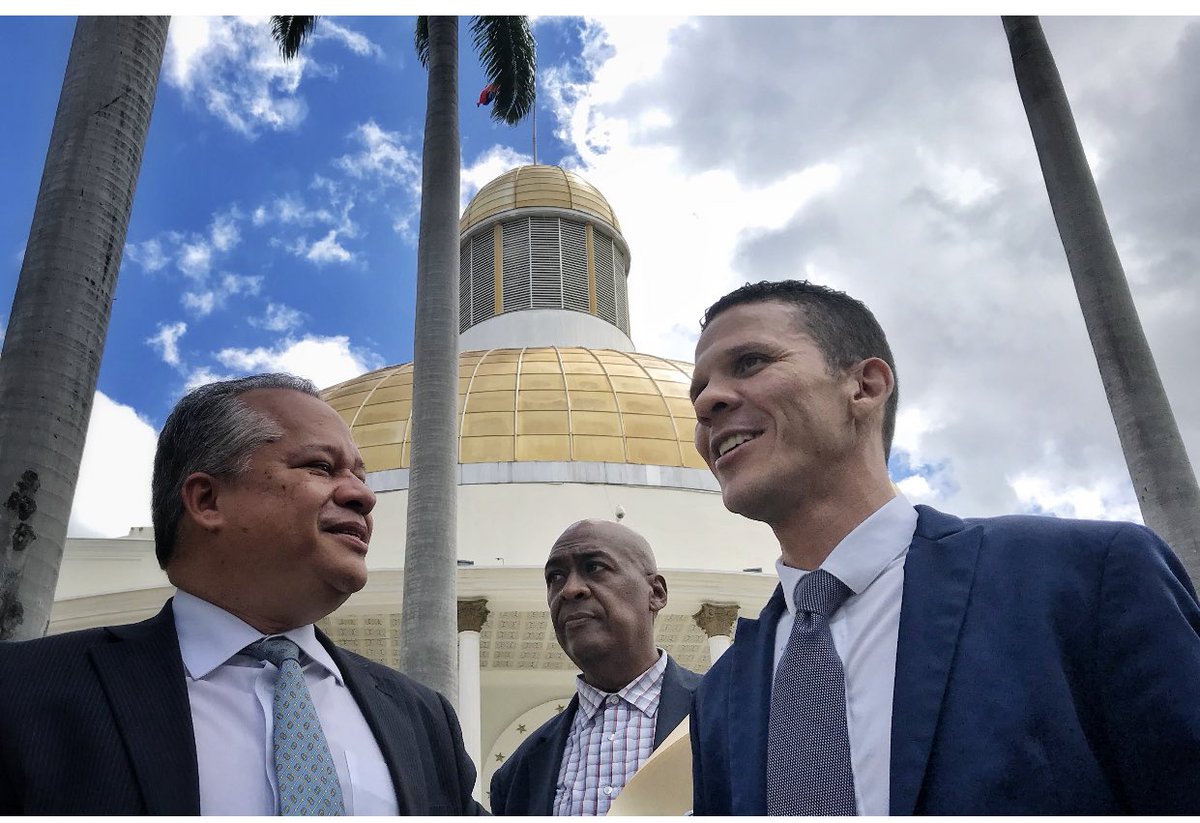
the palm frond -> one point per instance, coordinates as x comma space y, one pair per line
508, 54
421, 40
291, 32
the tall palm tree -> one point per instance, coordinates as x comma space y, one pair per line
1154, 451
60, 312
429, 613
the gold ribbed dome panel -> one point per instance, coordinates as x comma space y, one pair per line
555, 404
537, 187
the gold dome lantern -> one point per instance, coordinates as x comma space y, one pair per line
536, 404
542, 238
540, 187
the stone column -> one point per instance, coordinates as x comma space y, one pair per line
716, 619
472, 614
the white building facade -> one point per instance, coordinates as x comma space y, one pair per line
560, 419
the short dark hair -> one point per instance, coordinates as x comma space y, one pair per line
211, 430
844, 329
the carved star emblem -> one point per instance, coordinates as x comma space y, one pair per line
500, 758
520, 728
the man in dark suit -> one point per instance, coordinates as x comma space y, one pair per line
911, 661
262, 521
604, 591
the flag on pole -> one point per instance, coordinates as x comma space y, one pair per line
488, 94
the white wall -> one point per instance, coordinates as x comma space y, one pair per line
518, 523
544, 327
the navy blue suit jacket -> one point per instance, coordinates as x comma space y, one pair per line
98, 722
527, 782
1044, 666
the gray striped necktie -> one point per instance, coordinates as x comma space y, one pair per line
307, 779
808, 746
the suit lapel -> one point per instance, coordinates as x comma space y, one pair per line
674, 703
540, 764
143, 678
753, 653
392, 728
938, 574
545, 760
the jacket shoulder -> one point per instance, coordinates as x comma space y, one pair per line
540, 735
396, 682
686, 678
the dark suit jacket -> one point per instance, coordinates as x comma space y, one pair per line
526, 783
98, 722
1044, 666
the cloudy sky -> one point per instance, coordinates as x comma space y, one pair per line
274, 225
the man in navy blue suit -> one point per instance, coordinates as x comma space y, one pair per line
262, 520
1008, 665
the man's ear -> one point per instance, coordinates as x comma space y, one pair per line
874, 384
200, 495
658, 593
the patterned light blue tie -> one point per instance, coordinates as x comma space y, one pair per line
808, 746
304, 770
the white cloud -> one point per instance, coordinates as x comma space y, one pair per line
324, 360
1102, 499
224, 233
195, 259
358, 43
149, 255
203, 303
489, 165
328, 250
917, 489
113, 491
381, 158
199, 303
278, 318
290, 209
232, 67
166, 342
202, 375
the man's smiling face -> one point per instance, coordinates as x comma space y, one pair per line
772, 419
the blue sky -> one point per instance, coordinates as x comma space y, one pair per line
275, 218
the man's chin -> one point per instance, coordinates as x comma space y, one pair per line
744, 501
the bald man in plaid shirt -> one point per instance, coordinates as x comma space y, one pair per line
604, 591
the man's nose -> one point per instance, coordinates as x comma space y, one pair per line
716, 397
575, 587
354, 493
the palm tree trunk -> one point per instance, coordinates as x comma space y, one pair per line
429, 615
60, 312
1154, 452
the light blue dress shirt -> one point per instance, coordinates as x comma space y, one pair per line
231, 696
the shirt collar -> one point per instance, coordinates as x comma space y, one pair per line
865, 552
209, 636
641, 693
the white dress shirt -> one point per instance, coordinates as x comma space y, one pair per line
870, 560
231, 697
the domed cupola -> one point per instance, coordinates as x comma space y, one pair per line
543, 263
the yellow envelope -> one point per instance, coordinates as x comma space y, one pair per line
663, 785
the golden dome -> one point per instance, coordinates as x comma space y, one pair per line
543, 404
539, 186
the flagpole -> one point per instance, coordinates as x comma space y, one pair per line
534, 117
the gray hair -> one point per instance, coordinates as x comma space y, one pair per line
210, 430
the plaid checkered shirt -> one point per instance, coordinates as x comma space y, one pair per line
610, 737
